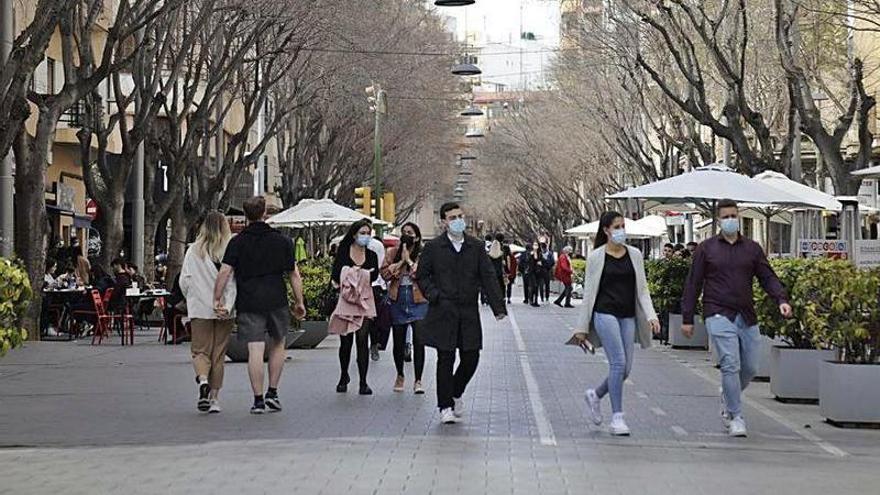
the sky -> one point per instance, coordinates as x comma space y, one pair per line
498, 22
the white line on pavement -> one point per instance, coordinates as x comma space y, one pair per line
806, 435
658, 411
545, 429
678, 430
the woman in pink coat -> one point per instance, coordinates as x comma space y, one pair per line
354, 263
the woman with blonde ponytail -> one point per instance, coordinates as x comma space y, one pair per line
210, 327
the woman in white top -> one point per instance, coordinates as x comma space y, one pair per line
210, 327
618, 310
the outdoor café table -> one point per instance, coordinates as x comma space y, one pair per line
134, 298
66, 298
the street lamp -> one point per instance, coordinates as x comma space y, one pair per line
474, 133
467, 157
466, 70
453, 3
472, 111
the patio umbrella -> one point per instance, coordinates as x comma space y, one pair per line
647, 227
806, 193
313, 212
705, 186
584, 231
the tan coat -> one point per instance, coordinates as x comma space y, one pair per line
392, 277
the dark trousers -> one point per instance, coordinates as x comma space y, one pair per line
378, 335
363, 352
527, 288
400, 349
510, 288
544, 285
565, 294
452, 385
534, 287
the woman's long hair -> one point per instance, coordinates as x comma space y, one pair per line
214, 235
417, 246
351, 235
605, 222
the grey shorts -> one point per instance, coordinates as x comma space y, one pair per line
253, 327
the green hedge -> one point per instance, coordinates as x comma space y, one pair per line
834, 304
666, 280
15, 296
318, 292
579, 269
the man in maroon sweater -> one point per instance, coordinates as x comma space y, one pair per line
723, 269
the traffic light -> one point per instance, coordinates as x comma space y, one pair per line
388, 207
363, 200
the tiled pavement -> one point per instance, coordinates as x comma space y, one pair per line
82, 419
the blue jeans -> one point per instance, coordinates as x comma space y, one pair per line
618, 336
738, 346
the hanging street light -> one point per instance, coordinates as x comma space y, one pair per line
474, 133
453, 3
472, 111
466, 70
467, 157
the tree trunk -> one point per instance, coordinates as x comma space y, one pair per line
150, 232
31, 223
111, 226
177, 246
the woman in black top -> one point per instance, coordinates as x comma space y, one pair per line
620, 293
353, 251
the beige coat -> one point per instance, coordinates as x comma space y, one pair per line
644, 307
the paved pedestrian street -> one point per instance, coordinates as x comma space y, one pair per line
108, 419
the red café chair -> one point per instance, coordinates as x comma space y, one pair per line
104, 320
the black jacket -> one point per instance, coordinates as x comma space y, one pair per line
451, 281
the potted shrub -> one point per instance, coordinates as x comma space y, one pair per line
15, 297
579, 271
845, 310
792, 351
320, 301
666, 279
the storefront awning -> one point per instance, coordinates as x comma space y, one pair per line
82, 221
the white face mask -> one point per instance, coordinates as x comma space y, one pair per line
363, 240
618, 236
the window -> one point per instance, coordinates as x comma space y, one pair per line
748, 228
780, 237
50, 75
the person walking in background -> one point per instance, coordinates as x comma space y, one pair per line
535, 273
692, 247
453, 268
210, 325
563, 274
617, 312
354, 253
408, 305
510, 270
668, 250
722, 271
259, 258
496, 256
524, 267
378, 335
548, 262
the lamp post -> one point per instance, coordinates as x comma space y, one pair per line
454, 3
379, 107
7, 220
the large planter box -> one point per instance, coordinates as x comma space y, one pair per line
794, 373
849, 394
678, 340
237, 349
315, 333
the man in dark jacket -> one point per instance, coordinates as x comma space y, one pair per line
453, 268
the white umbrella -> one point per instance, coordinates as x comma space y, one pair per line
515, 248
803, 192
868, 173
704, 186
646, 227
312, 212
585, 230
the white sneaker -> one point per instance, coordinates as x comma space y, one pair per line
594, 405
725, 416
447, 416
458, 408
738, 427
618, 426
214, 408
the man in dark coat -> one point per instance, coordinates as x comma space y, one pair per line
452, 269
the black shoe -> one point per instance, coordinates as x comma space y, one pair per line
272, 403
342, 386
568, 306
374, 352
259, 407
365, 390
557, 303
204, 402
536, 305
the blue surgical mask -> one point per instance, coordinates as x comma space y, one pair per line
363, 240
730, 226
457, 226
618, 236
